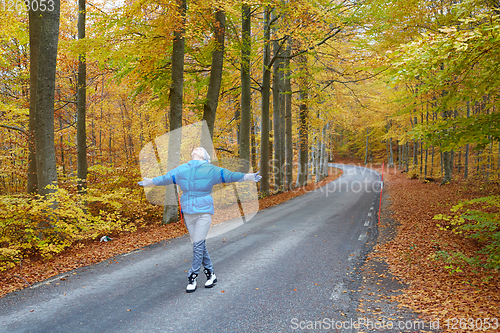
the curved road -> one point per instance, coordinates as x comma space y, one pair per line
289, 266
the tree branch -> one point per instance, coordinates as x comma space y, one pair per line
15, 128
275, 56
319, 44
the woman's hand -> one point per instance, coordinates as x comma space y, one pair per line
252, 176
146, 182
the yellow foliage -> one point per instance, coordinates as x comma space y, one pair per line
31, 225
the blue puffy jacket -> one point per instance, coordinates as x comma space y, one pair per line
196, 179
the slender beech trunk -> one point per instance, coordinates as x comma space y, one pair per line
407, 156
322, 168
402, 155
34, 40
498, 158
426, 149
278, 136
303, 124
246, 100
81, 131
100, 127
45, 93
253, 150
210, 106
466, 157
399, 156
317, 159
310, 163
426, 159
288, 119
432, 160
391, 156
446, 157
266, 77
387, 150
325, 150
170, 210
282, 106
61, 147
415, 148
366, 146
124, 131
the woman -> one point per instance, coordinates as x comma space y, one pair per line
196, 179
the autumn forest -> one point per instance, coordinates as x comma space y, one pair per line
287, 85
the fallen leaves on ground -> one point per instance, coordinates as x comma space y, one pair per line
432, 290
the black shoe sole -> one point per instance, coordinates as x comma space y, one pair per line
192, 291
213, 284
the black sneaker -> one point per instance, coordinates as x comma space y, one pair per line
211, 278
191, 287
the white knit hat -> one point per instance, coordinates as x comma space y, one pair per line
206, 157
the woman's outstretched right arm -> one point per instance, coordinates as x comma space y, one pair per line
166, 179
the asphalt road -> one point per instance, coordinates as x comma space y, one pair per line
289, 267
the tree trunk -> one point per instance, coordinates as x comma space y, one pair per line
61, 147
466, 157
387, 150
415, 148
322, 169
421, 159
366, 146
100, 127
34, 40
391, 153
303, 124
170, 209
446, 167
282, 106
498, 158
288, 120
81, 105
318, 159
447, 160
399, 156
45, 93
432, 160
310, 163
426, 149
426, 159
278, 136
264, 133
210, 106
407, 156
325, 150
253, 150
246, 100
124, 130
